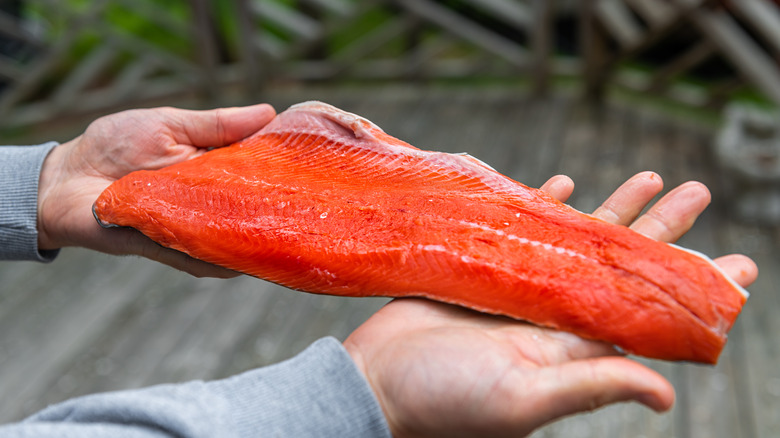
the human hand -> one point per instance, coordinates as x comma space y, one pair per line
75, 173
440, 370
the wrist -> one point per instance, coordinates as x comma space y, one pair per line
358, 359
315, 393
50, 180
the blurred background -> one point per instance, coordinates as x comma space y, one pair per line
595, 89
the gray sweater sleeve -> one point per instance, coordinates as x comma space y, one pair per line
319, 393
20, 169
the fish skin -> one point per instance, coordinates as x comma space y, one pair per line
324, 201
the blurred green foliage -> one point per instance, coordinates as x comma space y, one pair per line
167, 27
158, 23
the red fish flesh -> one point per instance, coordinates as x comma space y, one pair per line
324, 201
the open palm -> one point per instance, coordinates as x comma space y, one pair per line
439, 370
75, 173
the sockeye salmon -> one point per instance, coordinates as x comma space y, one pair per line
323, 201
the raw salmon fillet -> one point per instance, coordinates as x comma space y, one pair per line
324, 201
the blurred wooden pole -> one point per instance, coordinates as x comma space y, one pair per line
247, 34
593, 52
204, 32
542, 44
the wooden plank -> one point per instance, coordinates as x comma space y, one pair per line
153, 89
580, 135
763, 17
178, 337
420, 57
209, 344
470, 136
130, 79
498, 146
758, 350
36, 73
393, 68
619, 22
721, 92
300, 51
10, 69
372, 41
203, 31
536, 143
254, 76
466, 29
272, 46
688, 94
341, 8
141, 335
655, 13
156, 14
593, 47
542, 44
738, 47
662, 77
514, 13
69, 313
85, 72
42, 109
12, 27
301, 26
174, 63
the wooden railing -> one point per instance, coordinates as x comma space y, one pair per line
416, 39
69, 61
743, 34
81, 63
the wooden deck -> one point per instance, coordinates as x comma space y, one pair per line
90, 322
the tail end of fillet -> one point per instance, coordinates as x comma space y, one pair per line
704, 257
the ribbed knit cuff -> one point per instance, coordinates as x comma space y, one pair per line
318, 393
20, 171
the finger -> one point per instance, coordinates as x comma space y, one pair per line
625, 204
185, 263
674, 214
587, 385
564, 347
739, 267
130, 241
219, 127
550, 346
559, 186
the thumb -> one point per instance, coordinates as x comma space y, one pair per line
221, 126
586, 385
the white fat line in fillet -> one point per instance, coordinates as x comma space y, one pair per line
443, 249
569, 252
501, 233
527, 241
